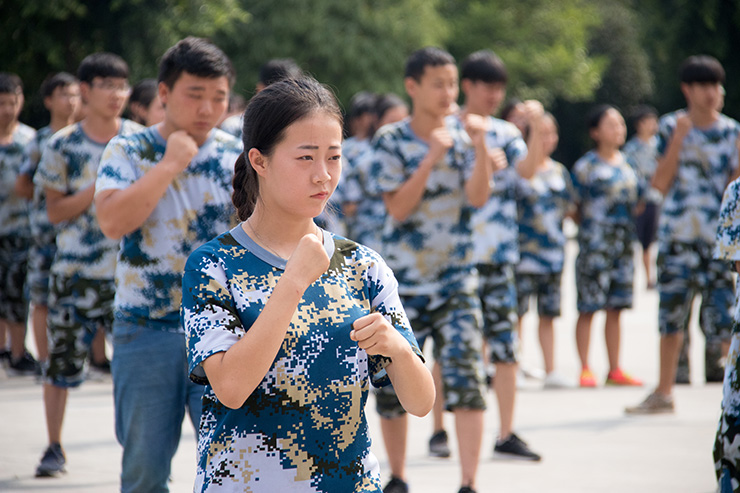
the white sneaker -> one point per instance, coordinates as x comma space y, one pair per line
554, 380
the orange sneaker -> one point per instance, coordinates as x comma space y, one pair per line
618, 377
587, 378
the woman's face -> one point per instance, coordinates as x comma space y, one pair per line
611, 131
549, 135
303, 170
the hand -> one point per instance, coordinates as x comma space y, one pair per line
377, 336
475, 126
498, 159
440, 141
683, 124
533, 110
307, 262
181, 149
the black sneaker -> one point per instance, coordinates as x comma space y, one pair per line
102, 367
4, 358
396, 485
514, 448
466, 489
438, 446
52, 463
25, 365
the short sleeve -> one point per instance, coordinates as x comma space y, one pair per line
116, 170
31, 158
665, 131
728, 226
386, 301
52, 170
208, 313
387, 172
515, 150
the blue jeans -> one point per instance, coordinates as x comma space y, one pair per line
151, 390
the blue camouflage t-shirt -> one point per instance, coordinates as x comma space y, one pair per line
13, 208
707, 161
70, 164
432, 247
195, 208
303, 429
495, 228
543, 201
41, 227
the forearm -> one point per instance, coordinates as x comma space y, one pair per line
65, 207
478, 186
667, 167
535, 154
402, 202
235, 373
412, 382
24, 186
121, 212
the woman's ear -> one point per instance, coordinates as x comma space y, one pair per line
257, 161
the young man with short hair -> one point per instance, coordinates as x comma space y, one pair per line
81, 285
164, 192
15, 233
431, 177
697, 158
61, 96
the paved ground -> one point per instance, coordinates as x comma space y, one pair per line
587, 443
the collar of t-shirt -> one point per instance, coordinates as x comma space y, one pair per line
268, 257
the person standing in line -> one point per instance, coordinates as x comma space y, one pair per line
81, 285
286, 385
15, 232
607, 192
61, 96
144, 105
163, 192
431, 175
697, 159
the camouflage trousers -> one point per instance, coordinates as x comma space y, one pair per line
687, 269
453, 323
545, 286
604, 276
13, 263
498, 297
78, 308
727, 440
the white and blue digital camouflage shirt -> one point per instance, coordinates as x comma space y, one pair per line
543, 201
707, 161
303, 429
41, 227
644, 157
13, 208
195, 208
495, 228
432, 247
69, 164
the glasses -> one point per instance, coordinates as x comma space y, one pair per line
112, 87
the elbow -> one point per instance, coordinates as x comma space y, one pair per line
109, 226
478, 202
424, 404
398, 215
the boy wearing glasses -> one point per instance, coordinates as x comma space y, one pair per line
82, 273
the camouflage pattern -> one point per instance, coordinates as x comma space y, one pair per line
708, 159
495, 224
546, 287
687, 269
195, 208
498, 297
14, 209
13, 261
643, 155
543, 201
728, 224
432, 247
606, 193
68, 165
727, 439
40, 259
304, 428
78, 308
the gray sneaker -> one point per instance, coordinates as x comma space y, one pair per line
655, 403
52, 463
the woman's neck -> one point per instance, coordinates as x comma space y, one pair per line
278, 235
608, 154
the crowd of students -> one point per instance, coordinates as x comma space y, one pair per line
287, 268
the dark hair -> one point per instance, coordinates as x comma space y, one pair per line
641, 112
236, 102
60, 79
269, 113
102, 65
10, 83
509, 107
361, 103
594, 117
383, 104
701, 69
417, 62
484, 65
196, 56
279, 69
144, 92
